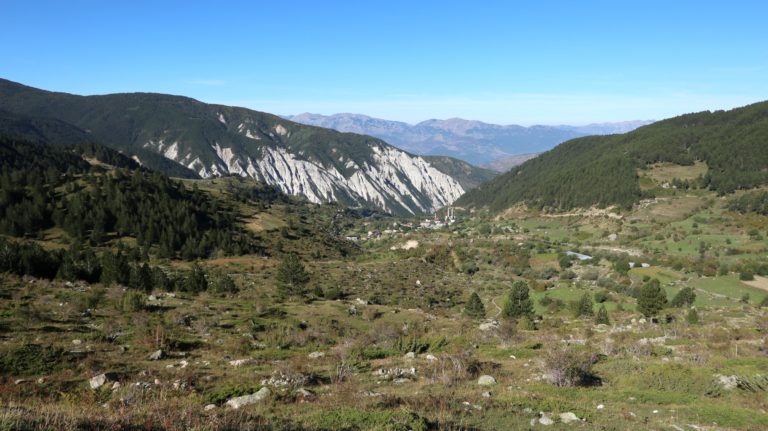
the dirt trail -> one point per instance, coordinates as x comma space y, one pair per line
498, 313
758, 283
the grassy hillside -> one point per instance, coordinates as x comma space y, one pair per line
602, 170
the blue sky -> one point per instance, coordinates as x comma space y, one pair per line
543, 62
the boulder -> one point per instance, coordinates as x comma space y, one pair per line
245, 400
568, 417
316, 355
241, 362
544, 419
410, 355
305, 396
98, 381
157, 355
488, 326
727, 382
486, 380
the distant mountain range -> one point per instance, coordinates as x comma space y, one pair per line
603, 170
482, 144
184, 137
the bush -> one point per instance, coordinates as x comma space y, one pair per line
133, 301
567, 367
746, 275
31, 359
602, 296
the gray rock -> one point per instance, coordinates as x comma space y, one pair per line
305, 396
98, 381
486, 394
545, 419
157, 355
242, 362
487, 326
209, 407
410, 355
316, 355
486, 380
568, 417
245, 400
727, 382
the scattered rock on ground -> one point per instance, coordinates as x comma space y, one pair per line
568, 417
241, 362
486, 380
98, 381
245, 400
157, 355
544, 419
305, 396
727, 382
316, 355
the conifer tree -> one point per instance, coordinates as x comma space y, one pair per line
291, 275
692, 317
685, 297
652, 298
518, 302
196, 281
583, 306
602, 316
475, 308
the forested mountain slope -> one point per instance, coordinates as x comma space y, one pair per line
602, 170
320, 164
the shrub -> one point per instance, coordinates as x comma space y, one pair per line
567, 367
132, 301
31, 359
602, 296
746, 275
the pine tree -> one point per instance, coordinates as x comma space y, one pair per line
291, 275
583, 306
196, 281
692, 317
602, 316
518, 302
475, 308
685, 297
652, 298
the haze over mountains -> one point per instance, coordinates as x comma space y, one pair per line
184, 137
489, 145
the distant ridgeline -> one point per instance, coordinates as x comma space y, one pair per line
602, 170
183, 137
